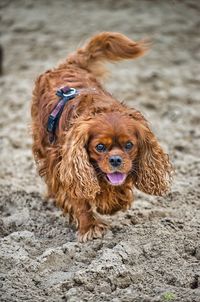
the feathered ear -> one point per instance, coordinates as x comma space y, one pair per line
154, 169
77, 175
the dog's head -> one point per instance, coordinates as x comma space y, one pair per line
112, 147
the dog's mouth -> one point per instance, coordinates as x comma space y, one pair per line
116, 178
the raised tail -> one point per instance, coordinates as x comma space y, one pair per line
106, 46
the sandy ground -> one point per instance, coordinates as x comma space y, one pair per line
152, 252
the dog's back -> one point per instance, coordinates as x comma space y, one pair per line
82, 69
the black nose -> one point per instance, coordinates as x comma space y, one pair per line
115, 161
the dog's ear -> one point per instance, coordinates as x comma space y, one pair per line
77, 175
153, 170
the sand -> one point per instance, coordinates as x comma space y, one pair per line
152, 252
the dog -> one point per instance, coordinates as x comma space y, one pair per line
90, 148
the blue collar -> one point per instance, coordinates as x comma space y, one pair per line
65, 93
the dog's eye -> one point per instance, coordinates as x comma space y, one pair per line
128, 146
101, 148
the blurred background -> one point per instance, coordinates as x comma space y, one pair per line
164, 85
37, 35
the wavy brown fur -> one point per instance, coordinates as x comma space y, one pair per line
69, 166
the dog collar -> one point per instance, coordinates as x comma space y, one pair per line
65, 93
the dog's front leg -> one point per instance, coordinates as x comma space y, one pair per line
89, 225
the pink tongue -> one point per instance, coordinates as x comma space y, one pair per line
116, 178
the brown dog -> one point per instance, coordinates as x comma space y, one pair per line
98, 149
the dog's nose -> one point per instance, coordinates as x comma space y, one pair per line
115, 161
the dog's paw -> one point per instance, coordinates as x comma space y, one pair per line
96, 230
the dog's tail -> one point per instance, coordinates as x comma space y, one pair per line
106, 46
